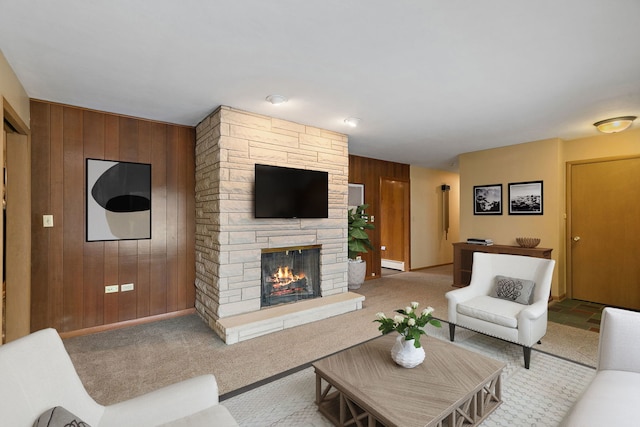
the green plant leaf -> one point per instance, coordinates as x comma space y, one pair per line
358, 239
357, 246
358, 233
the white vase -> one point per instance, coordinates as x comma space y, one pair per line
405, 354
356, 273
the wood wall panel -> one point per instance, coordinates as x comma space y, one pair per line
111, 257
111, 274
145, 139
172, 226
72, 261
93, 274
56, 250
68, 273
190, 217
40, 202
363, 170
158, 273
127, 273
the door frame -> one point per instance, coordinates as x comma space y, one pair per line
19, 314
568, 228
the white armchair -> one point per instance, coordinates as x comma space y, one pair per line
474, 308
36, 374
612, 397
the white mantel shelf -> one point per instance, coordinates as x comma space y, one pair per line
242, 327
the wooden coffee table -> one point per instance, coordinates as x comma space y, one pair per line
362, 386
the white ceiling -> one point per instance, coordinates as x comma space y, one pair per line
430, 79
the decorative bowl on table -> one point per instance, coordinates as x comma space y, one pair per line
527, 242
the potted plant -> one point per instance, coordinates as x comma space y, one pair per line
358, 242
410, 324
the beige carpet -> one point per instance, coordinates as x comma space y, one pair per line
540, 396
120, 364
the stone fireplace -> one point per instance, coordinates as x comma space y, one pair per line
290, 274
230, 241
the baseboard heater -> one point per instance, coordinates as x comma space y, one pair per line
394, 265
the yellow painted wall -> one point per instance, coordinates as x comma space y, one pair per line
429, 244
533, 161
541, 160
626, 143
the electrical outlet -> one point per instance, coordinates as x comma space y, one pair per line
126, 287
110, 289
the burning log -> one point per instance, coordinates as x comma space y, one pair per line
284, 282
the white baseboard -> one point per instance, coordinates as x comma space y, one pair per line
394, 265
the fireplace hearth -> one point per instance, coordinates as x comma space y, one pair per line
290, 274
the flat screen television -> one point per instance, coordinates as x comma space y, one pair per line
290, 193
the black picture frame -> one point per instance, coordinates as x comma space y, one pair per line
487, 199
118, 200
526, 198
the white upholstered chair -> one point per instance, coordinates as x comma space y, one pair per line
612, 396
36, 374
473, 307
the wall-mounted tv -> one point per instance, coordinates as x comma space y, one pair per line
290, 193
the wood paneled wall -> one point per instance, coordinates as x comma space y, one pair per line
363, 170
69, 274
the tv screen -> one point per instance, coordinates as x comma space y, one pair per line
290, 193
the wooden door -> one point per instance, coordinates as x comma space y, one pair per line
604, 230
18, 237
394, 223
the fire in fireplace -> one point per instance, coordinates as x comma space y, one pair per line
284, 282
290, 274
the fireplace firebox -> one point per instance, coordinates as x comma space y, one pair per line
290, 274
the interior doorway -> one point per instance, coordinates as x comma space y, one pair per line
603, 244
16, 230
394, 224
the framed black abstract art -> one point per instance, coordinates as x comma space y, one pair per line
118, 200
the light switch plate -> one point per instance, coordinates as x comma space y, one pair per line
47, 220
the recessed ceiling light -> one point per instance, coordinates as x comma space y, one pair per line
353, 121
277, 99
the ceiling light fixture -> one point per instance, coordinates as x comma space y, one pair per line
353, 121
616, 124
277, 99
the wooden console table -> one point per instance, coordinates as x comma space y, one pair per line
463, 257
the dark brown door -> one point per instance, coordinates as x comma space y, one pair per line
394, 223
605, 230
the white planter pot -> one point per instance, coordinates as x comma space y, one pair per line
357, 273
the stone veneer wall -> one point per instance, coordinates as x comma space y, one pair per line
228, 238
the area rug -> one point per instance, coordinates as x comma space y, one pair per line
539, 396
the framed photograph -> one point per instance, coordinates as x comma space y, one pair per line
487, 199
118, 200
525, 198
